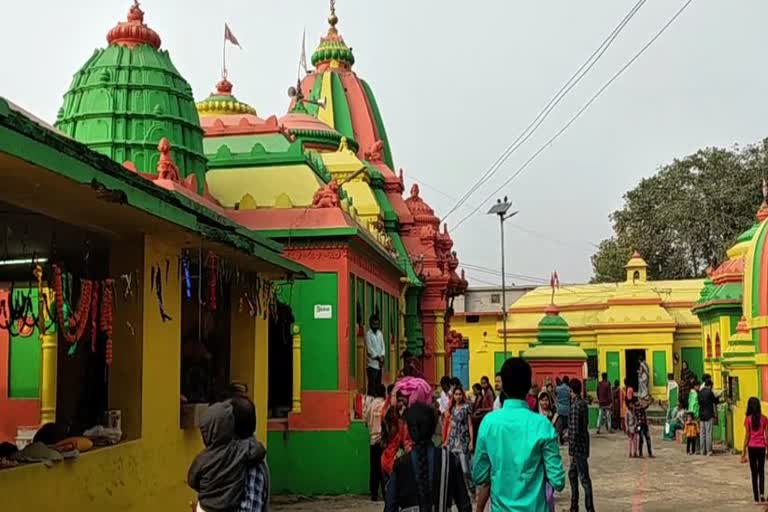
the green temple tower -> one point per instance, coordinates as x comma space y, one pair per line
128, 96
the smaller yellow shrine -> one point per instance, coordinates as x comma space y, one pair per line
616, 324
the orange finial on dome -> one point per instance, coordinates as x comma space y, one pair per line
742, 326
133, 31
224, 87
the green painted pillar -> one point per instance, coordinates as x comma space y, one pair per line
413, 331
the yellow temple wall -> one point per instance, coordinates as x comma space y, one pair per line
483, 350
719, 326
269, 186
485, 342
619, 341
148, 471
748, 387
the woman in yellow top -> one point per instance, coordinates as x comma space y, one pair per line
691, 434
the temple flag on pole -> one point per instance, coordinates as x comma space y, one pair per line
303, 59
554, 283
229, 36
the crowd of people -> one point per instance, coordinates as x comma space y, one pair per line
499, 446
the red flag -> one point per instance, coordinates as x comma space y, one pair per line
557, 280
229, 36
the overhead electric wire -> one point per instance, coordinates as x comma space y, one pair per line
553, 102
529, 231
483, 281
580, 111
496, 272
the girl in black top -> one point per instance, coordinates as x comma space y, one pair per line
419, 482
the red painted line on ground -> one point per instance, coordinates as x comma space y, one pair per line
640, 488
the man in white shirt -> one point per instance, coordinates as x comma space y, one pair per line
374, 342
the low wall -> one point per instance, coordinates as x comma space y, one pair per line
135, 476
312, 463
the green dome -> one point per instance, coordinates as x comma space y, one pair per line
554, 340
553, 329
332, 48
128, 96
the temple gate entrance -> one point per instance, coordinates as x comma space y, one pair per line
280, 362
632, 363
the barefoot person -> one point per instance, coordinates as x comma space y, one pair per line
605, 401
546, 410
563, 394
460, 438
707, 411
373, 417
755, 432
578, 449
517, 450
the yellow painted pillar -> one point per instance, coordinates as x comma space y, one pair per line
249, 358
261, 375
361, 360
402, 339
296, 409
48, 355
741, 362
161, 347
439, 345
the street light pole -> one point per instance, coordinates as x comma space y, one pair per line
501, 208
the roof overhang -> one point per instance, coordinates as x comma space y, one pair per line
49, 173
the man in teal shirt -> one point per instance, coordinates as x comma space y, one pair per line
516, 448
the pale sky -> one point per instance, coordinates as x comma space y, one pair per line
456, 83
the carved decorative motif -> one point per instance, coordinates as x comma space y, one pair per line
369, 266
317, 253
375, 152
166, 167
327, 197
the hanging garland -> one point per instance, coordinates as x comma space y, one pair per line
212, 282
187, 277
78, 320
157, 284
106, 317
94, 314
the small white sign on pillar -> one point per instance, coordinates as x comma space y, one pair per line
323, 311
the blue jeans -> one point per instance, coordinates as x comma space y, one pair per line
579, 471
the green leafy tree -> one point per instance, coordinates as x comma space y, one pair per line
684, 218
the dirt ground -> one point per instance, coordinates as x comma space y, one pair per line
672, 482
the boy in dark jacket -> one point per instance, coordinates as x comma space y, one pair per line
218, 473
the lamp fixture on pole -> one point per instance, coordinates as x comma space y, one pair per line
500, 209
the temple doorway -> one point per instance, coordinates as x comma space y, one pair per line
632, 359
280, 362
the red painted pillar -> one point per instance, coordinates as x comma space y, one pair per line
428, 326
